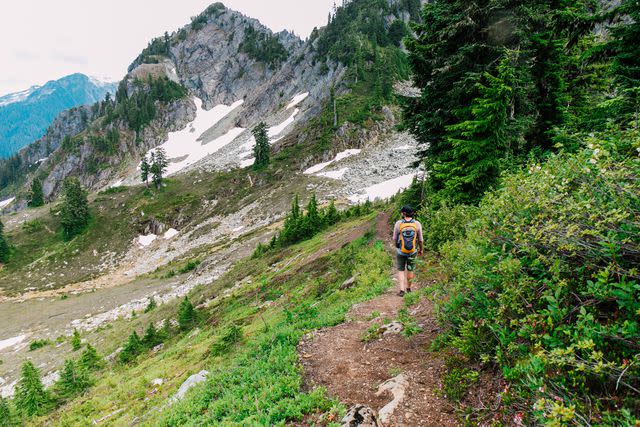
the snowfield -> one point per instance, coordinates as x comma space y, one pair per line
147, 240
342, 155
384, 189
5, 203
297, 100
184, 147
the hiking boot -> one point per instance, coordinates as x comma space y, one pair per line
401, 293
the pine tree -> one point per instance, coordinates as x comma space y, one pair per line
262, 148
4, 245
331, 216
158, 167
74, 214
73, 380
626, 63
166, 331
145, 168
31, 398
187, 315
36, 196
76, 340
478, 144
312, 221
89, 359
151, 338
6, 415
131, 349
151, 305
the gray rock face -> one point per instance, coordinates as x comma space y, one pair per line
361, 416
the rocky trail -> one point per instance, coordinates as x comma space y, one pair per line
391, 380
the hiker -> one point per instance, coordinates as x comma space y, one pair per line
407, 237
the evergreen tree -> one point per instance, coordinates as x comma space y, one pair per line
73, 380
312, 221
6, 415
478, 144
158, 166
31, 398
131, 349
626, 63
36, 196
74, 214
145, 167
151, 305
4, 245
165, 331
262, 148
151, 338
331, 216
76, 340
187, 315
89, 359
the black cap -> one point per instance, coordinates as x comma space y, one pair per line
407, 210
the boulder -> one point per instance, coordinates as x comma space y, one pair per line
361, 416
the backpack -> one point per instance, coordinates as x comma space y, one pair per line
408, 237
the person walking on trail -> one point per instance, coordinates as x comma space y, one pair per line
408, 240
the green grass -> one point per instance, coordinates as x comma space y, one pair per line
247, 340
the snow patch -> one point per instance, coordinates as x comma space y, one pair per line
297, 99
338, 174
170, 233
146, 240
277, 130
10, 342
340, 156
384, 189
184, 147
5, 203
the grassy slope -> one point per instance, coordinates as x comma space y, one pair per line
276, 300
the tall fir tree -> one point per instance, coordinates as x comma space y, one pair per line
187, 315
261, 150
74, 214
73, 380
36, 195
131, 349
89, 359
145, 168
158, 166
31, 398
5, 250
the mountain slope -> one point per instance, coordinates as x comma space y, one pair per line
25, 116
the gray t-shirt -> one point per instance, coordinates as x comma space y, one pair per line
396, 234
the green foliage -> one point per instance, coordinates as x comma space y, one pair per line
74, 379
151, 337
157, 168
33, 226
262, 149
263, 47
74, 213
545, 283
6, 414
230, 336
187, 315
76, 340
409, 323
90, 360
446, 224
456, 382
145, 168
31, 398
151, 305
36, 344
131, 349
198, 22
5, 250
36, 195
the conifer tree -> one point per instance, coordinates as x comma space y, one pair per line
312, 220
331, 216
89, 359
158, 167
76, 340
151, 338
151, 305
74, 214
36, 196
261, 150
4, 245
73, 380
6, 415
131, 349
31, 398
187, 315
145, 168
165, 331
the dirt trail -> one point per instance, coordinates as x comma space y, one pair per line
352, 370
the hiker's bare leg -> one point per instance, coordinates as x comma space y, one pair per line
410, 276
402, 280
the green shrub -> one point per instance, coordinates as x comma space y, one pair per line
545, 283
456, 382
32, 226
446, 224
90, 360
151, 305
131, 349
76, 341
36, 344
231, 335
187, 315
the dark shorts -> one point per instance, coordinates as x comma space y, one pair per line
405, 262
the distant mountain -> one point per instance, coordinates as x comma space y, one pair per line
26, 115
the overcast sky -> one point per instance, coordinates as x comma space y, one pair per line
44, 40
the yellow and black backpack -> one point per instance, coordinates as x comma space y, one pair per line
408, 237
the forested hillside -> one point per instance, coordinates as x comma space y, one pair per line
529, 124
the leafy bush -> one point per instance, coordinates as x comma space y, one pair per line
545, 284
446, 224
456, 382
34, 345
230, 336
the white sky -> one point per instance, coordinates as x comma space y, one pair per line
44, 40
